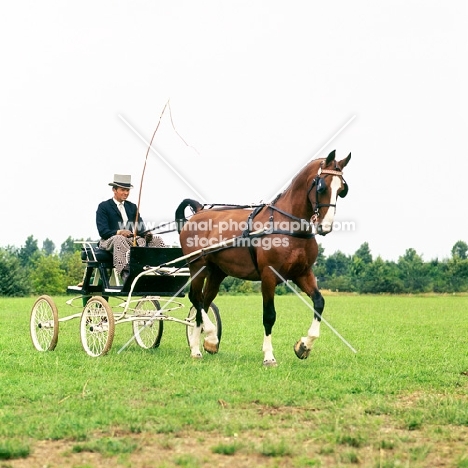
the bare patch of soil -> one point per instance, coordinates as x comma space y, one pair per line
191, 450
299, 442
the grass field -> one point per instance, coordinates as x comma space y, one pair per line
401, 400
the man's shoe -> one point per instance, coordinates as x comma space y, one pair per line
124, 275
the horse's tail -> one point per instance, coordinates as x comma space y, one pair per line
180, 218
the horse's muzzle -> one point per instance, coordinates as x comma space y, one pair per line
323, 229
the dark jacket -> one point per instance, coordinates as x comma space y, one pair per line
109, 219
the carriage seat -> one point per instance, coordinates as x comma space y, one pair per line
99, 273
95, 254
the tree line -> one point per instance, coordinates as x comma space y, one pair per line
29, 270
363, 274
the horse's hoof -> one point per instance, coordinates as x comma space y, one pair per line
270, 363
196, 356
211, 348
301, 351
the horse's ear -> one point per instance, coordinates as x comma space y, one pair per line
330, 158
344, 161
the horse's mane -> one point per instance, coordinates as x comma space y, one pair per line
197, 206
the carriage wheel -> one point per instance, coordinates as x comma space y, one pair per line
213, 314
44, 324
147, 332
97, 327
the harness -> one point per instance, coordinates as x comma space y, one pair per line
305, 233
305, 230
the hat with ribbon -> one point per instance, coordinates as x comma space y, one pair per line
120, 180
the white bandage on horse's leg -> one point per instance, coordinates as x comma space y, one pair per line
209, 329
195, 342
268, 350
312, 334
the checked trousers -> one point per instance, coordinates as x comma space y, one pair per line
120, 246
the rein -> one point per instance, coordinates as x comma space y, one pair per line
221, 206
302, 233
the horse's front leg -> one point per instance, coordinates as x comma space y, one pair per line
269, 319
303, 347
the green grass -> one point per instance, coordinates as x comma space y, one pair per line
227, 449
399, 401
11, 449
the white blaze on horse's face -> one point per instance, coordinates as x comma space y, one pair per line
326, 225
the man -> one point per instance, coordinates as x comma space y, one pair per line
115, 220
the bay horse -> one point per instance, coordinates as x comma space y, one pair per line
270, 243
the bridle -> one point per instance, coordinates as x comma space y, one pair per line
320, 187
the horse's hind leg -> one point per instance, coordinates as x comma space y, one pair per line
210, 291
195, 297
303, 347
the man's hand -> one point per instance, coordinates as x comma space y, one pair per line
148, 237
125, 233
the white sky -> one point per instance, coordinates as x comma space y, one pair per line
257, 88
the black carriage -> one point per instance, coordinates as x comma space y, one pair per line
158, 277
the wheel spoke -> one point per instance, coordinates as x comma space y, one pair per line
97, 327
147, 329
44, 324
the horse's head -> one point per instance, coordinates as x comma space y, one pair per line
327, 185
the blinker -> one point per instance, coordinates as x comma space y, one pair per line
344, 192
321, 185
